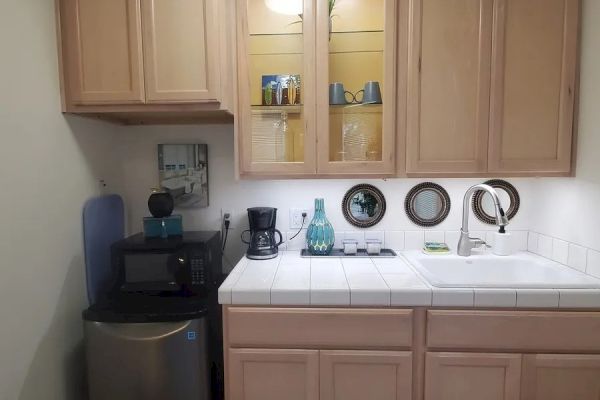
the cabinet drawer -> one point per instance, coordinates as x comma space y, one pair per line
322, 328
515, 330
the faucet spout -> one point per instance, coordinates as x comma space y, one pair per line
466, 244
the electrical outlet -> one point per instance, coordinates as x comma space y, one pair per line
225, 211
296, 218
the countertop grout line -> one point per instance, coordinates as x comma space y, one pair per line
384, 282
347, 283
273, 281
310, 281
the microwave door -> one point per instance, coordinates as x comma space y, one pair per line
152, 272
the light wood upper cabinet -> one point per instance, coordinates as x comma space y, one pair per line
104, 58
286, 124
261, 374
147, 61
449, 86
561, 377
491, 87
472, 376
180, 58
360, 375
533, 86
275, 116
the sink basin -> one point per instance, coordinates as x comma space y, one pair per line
522, 270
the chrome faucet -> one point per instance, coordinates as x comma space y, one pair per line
466, 244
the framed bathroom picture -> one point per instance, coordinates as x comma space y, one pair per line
183, 172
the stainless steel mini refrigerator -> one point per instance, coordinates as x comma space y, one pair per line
147, 356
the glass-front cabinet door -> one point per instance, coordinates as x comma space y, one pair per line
356, 86
275, 117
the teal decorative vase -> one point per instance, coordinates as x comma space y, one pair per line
320, 235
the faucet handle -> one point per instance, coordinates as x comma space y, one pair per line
478, 242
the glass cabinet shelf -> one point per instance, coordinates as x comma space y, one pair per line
356, 109
273, 44
292, 109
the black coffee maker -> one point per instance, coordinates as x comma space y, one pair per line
262, 244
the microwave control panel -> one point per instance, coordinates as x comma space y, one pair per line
198, 271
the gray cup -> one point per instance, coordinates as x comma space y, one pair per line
371, 93
337, 94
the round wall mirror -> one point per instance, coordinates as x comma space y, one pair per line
363, 206
427, 204
483, 204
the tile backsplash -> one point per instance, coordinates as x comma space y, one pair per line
571, 254
408, 240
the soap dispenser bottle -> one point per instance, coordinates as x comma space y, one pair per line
502, 243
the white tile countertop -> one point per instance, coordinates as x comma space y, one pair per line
290, 280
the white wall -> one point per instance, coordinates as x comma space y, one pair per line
568, 208
139, 163
50, 166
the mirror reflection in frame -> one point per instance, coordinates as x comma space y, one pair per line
363, 206
483, 204
183, 172
427, 204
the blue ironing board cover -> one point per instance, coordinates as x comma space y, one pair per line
103, 224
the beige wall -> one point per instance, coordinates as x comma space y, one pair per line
50, 166
568, 208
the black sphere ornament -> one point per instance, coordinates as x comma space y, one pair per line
161, 204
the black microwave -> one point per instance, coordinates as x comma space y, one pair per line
182, 266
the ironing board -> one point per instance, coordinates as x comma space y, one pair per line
103, 224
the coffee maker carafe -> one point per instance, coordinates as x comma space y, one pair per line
262, 244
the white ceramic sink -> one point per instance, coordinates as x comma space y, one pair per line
522, 270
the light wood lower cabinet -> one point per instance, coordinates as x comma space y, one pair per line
472, 376
261, 374
511, 356
360, 375
561, 377
274, 374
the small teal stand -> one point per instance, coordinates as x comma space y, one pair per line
163, 227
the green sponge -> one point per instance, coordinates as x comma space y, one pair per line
436, 248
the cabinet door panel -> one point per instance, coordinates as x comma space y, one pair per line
449, 86
275, 116
472, 376
561, 377
180, 50
103, 47
259, 374
356, 48
359, 375
533, 88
